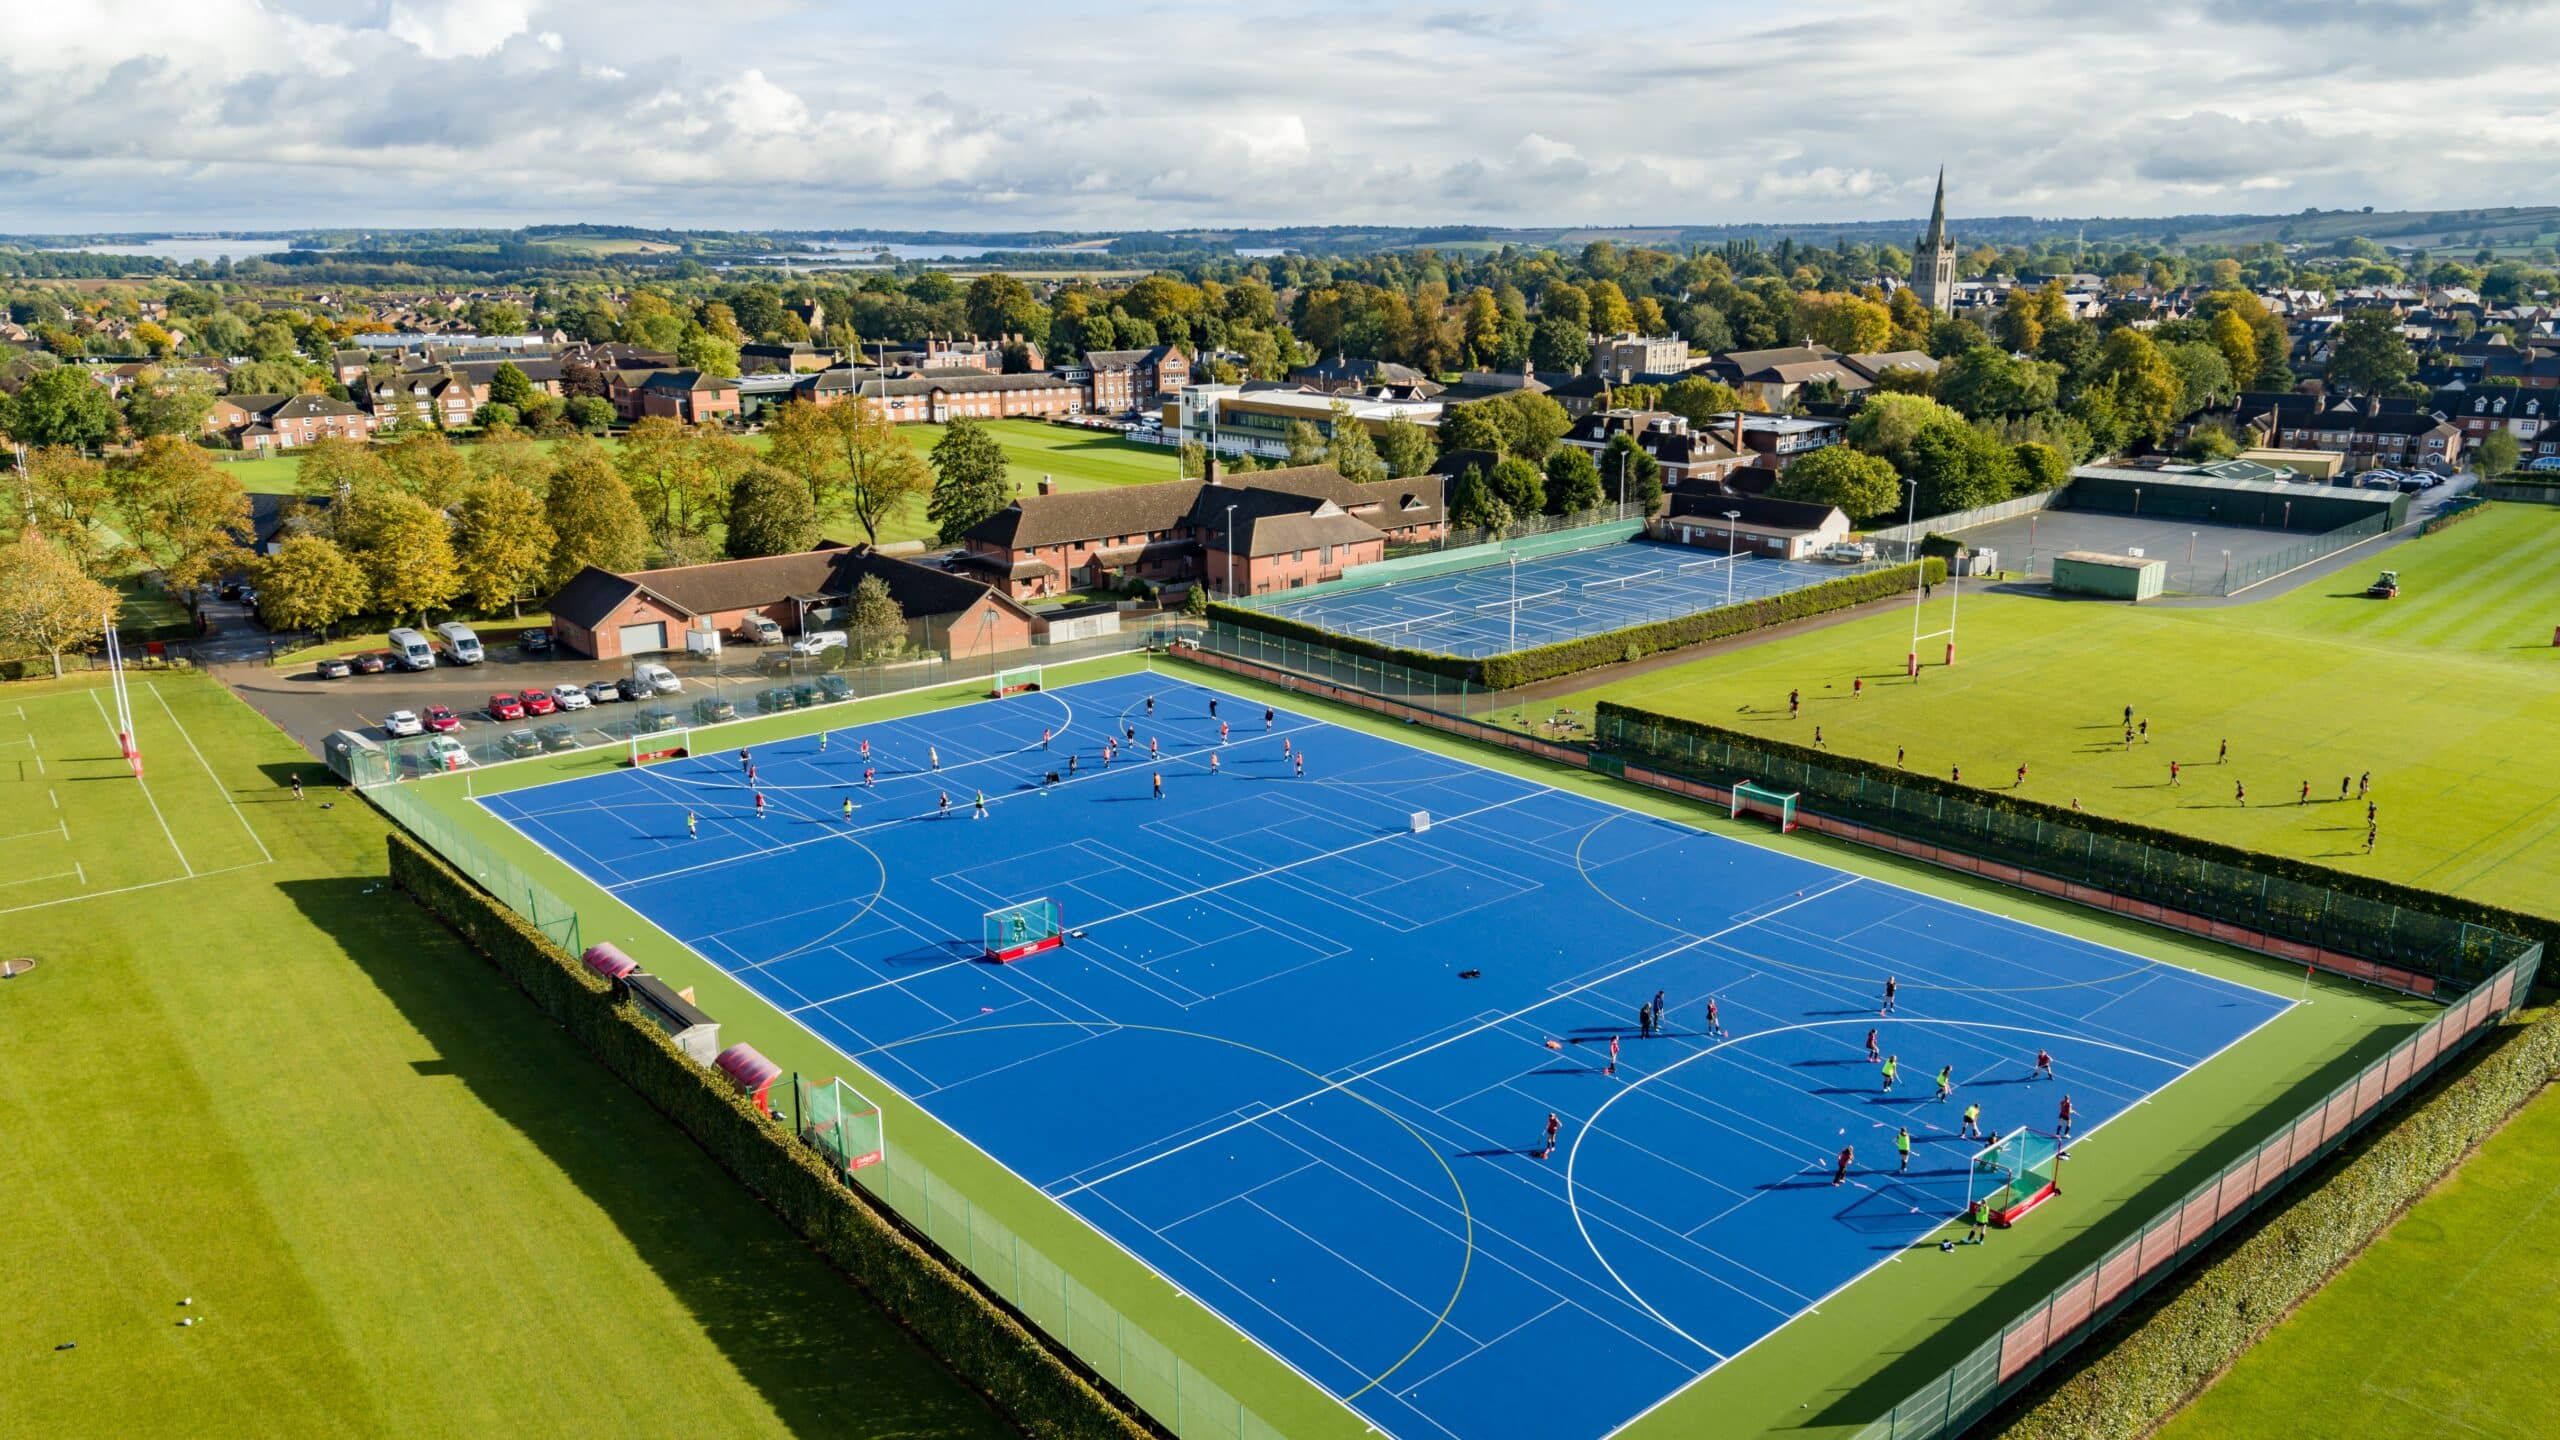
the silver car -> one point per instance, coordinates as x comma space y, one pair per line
603, 692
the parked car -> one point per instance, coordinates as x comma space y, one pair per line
371, 662
517, 744
656, 678
817, 642
534, 642
442, 720
503, 706
556, 736
604, 692
835, 687
446, 753
711, 709
656, 717
631, 689
336, 667
537, 701
1848, 552
773, 701
2412, 484
568, 696
402, 722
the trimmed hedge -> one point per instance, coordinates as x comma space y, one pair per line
985, 1343
1570, 657
2303, 872
2158, 1356
2456, 510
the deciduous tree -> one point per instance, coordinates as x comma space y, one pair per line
62, 406
181, 511
854, 460
65, 495
1406, 448
46, 603
309, 584
969, 480
771, 512
1862, 485
1350, 451
502, 542
405, 549
1572, 482
593, 517
879, 626
2370, 355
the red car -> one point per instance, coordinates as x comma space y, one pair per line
538, 702
503, 706
441, 720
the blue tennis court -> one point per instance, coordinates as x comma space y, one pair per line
1297, 1054
1496, 609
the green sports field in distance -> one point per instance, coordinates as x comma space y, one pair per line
247, 1074
2449, 696
2445, 1327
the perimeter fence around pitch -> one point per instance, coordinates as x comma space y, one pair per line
1106, 1343
1526, 540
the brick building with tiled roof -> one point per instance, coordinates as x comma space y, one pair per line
1280, 528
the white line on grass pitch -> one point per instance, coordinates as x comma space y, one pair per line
209, 772
146, 793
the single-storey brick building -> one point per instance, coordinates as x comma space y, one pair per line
610, 616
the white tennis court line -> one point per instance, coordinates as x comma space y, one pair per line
146, 791
1515, 1015
209, 772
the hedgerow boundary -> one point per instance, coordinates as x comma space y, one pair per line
984, 1342
2151, 1360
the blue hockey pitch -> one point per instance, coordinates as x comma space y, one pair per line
1298, 1057
1496, 609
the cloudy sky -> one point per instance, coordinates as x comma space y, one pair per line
955, 114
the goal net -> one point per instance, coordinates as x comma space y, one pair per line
2015, 1174
1019, 678
1778, 805
1013, 931
840, 1124
661, 745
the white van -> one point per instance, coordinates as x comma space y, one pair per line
410, 650
651, 676
815, 642
1848, 552
759, 630
459, 640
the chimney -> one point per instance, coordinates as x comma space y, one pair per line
1737, 432
1047, 487
1209, 469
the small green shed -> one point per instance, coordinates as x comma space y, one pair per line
2117, 577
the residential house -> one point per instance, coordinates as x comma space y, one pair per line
609, 616
689, 396
1121, 381
1687, 455
2524, 412
1341, 376
1777, 377
1778, 439
303, 420
1626, 356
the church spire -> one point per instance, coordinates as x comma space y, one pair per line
1933, 259
1938, 213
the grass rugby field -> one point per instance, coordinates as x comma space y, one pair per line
246, 1073
2449, 696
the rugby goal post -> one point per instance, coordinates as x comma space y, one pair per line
1759, 801
1013, 681
2014, 1174
1012, 931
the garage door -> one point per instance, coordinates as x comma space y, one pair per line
641, 639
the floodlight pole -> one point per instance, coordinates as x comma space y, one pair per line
1515, 604
1730, 516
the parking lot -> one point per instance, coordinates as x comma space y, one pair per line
309, 706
